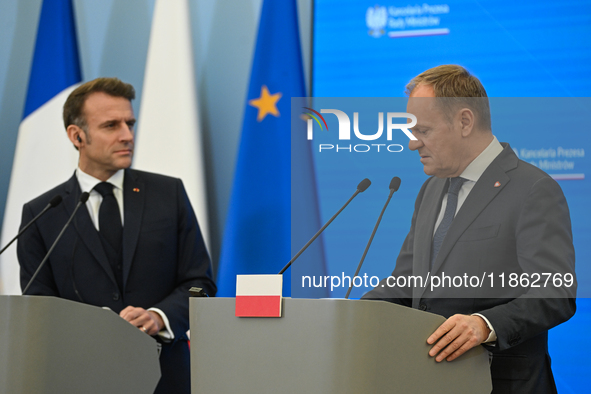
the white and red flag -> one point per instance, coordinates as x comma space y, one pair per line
258, 295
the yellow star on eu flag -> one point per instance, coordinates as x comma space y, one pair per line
266, 103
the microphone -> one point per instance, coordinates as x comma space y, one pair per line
81, 201
361, 187
55, 201
394, 185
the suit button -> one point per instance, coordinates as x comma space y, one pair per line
115, 296
119, 267
423, 307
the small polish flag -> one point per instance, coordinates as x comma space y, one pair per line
258, 295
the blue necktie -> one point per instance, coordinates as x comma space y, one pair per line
448, 216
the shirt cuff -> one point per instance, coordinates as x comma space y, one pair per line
166, 333
492, 337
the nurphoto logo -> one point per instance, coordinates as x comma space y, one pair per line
344, 132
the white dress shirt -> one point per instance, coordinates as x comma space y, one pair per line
87, 184
472, 174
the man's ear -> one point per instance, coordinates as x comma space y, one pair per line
76, 135
467, 121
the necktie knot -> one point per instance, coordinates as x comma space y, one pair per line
104, 188
456, 185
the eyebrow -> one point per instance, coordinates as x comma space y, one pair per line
112, 121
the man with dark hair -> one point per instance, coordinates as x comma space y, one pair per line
137, 248
482, 211
74, 106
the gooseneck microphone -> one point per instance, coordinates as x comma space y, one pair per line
81, 201
363, 185
55, 201
394, 185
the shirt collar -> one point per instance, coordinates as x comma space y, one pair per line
475, 169
88, 182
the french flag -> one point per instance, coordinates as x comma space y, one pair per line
258, 295
169, 102
44, 156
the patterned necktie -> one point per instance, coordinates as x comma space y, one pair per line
110, 217
448, 216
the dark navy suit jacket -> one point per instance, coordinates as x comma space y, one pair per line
163, 256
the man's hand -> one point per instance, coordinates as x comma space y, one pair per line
457, 335
149, 322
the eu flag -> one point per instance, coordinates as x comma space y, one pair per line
257, 236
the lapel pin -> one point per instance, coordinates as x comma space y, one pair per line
497, 184
135, 189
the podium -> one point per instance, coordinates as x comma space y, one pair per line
325, 346
52, 345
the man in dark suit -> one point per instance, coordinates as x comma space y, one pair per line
483, 211
136, 247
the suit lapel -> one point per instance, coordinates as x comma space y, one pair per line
133, 202
424, 226
484, 191
84, 226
